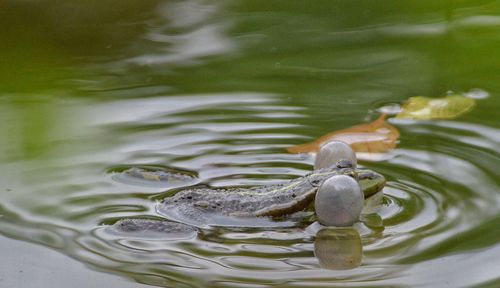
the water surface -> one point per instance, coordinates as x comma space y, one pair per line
221, 89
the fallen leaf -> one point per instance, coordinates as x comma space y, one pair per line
425, 108
376, 137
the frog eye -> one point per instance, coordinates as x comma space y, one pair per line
351, 173
344, 164
335, 153
315, 182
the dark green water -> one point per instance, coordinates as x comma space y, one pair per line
221, 88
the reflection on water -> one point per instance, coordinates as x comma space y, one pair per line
338, 248
432, 196
186, 36
154, 176
231, 87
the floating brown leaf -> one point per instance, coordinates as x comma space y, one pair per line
370, 138
425, 108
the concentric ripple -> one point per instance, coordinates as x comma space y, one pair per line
211, 93
439, 193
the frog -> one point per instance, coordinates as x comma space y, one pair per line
233, 206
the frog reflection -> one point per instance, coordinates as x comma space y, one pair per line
336, 248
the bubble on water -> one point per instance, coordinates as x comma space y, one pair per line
477, 93
390, 109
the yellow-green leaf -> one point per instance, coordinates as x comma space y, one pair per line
425, 108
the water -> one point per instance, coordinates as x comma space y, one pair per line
220, 89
